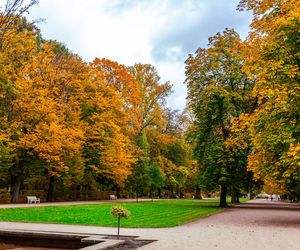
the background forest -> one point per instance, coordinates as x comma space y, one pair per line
73, 130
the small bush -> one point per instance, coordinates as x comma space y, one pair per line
119, 212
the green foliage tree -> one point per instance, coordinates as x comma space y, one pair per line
217, 92
139, 180
156, 178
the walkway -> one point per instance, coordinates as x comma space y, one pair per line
256, 225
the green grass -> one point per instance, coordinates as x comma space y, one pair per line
165, 213
168, 213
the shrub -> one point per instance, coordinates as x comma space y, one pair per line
119, 212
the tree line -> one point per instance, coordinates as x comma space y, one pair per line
69, 128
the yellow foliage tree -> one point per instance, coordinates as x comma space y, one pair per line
271, 55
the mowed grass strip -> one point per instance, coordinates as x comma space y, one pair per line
166, 213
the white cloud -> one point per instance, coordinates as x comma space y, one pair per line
174, 72
160, 32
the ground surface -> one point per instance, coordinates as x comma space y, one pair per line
255, 225
259, 225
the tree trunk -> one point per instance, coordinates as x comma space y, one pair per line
17, 176
297, 193
171, 193
233, 195
159, 193
151, 194
223, 195
198, 193
50, 189
237, 198
119, 218
118, 192
136, 197
15, 187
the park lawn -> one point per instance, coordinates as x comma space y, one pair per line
165, 213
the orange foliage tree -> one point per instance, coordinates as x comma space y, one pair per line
48, 114
127, 88
18, 47
108, 147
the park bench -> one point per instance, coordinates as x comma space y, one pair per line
112, 197
33, 199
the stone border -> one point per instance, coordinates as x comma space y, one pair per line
95, 241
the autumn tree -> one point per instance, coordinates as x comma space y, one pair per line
217, 92
18, 47
153, 94
48, 114
126, 86
271, 55
151, 113
108, 147
70, 125
11, 13
170, 151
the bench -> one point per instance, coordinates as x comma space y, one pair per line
33, 199
112, 197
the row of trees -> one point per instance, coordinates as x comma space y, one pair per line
245, 99
68, 128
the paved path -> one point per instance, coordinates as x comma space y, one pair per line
255, 225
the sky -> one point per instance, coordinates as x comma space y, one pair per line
159, 32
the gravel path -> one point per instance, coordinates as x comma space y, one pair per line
255, 225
